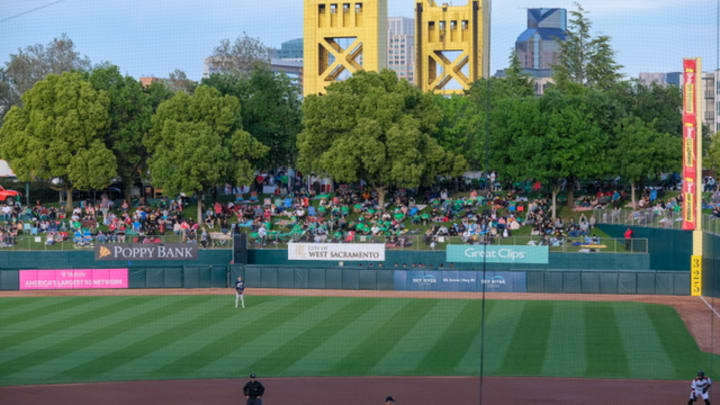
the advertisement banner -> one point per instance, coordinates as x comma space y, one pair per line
696, 275
467, 281
342, 252
63, 279
691, 76
146, 251
519, 254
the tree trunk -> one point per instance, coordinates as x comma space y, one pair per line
127, 189
632, 194
381, 196
571, 194
555, 191
68, 199
201, 197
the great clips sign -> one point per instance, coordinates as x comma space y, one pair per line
134, 251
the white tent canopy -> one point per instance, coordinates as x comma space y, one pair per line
5, 170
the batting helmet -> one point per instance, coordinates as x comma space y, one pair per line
701, 374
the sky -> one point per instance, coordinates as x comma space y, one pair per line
154, 37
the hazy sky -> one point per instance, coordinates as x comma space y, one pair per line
153, 37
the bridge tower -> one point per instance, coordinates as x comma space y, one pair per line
340, 38
452, 44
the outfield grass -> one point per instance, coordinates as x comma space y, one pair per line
72, 339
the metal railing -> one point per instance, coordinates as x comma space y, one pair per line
577, 244
656, 218
649, 217
40, 242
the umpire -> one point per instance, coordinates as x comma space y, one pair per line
254, 391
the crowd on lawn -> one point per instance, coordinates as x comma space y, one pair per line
285, 206
308, 214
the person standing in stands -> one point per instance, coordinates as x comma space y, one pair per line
628, 238
253, 391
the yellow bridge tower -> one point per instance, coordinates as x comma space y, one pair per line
342, 36
452, 44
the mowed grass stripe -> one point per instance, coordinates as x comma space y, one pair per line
565, 356
605, 353
459, 335
7, 304
404, 358
103, 364
236, 339
375, 346
45, 329
646, 356
286, 355
45, 310
675, 339
71, 345
501, 320
169, 353
526, 353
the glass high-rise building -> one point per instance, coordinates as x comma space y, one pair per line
537, 47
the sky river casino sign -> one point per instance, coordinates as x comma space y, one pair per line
134, 251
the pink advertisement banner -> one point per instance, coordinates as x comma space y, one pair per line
63, 279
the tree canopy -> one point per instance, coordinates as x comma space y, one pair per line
271, 110
31, 64
197, 142
376, 128
58, 132
240, 55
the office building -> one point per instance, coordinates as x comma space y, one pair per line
538, 47
292, 49
401, 46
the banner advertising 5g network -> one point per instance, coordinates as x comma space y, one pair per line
339, 252
510, 254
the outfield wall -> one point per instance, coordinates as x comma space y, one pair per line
668, 249
711, 265
349, 278
279, 257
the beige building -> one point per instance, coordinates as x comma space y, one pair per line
401, 44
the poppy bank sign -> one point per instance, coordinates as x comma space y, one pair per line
497, 254
139, 251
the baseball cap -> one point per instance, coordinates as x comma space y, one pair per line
252, 375
389, 398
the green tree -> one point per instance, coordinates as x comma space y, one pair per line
271, 110
238, 56
131, 108
712, 161
641, 153
197, 141
58, 133
585, 60
461, 129
658, 106
376, 128
517, 82
31, 64
178, 81
553, 139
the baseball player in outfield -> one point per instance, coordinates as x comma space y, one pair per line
239, 292
699, 388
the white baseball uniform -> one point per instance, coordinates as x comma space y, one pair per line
699, 388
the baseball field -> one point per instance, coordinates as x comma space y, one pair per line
60, 339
